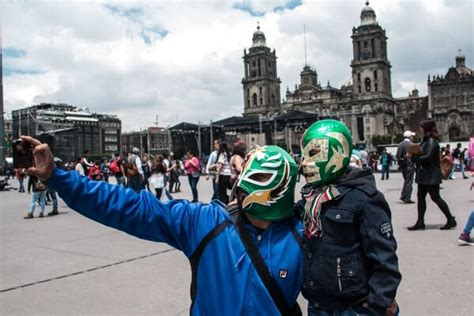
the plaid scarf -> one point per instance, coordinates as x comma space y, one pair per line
312, 215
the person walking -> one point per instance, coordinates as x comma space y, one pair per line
244, 261
146, 165
193, 171
428, 176
350, 266
104, 169
457, 158
178, 170
80, 166
20, 176
211, 169
39, 195
385, 162
135, 176
168, 165
117, 168
223, 172
406, 167
157, 177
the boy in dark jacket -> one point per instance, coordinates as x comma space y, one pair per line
350, 261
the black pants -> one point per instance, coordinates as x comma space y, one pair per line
223, 185
408, 174
433, 190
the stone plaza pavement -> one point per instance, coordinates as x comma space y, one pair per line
69, 265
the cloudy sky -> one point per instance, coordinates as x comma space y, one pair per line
182, 60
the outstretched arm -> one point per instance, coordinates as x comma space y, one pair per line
179, 223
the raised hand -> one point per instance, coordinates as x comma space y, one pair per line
44, 161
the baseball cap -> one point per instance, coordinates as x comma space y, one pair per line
408, 134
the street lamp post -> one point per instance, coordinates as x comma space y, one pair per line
199, 139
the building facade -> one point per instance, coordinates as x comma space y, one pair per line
365, 103
153, 141
69, 131
451, 101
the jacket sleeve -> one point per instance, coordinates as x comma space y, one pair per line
179, 223
380, 248
427, 155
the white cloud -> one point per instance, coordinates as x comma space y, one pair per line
182, 60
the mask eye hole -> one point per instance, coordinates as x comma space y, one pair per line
315, 151
261, 177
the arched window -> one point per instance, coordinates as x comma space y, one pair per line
367, 84
375, 74
358, 76
254, 99
273, 99
360, 89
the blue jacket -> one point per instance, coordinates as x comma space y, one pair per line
227, 282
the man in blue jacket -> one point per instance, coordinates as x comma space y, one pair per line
225, 280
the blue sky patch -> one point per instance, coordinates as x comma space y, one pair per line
134, 14
13, 52
246, 6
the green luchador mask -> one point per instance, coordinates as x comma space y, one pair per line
268, 178
326, 147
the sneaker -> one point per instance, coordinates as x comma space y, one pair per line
41, 215
28, 216
53, 212
465, 239
408, 201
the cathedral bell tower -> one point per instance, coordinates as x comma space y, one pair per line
260, 83
370, 66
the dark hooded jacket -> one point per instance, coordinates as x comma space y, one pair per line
354, 260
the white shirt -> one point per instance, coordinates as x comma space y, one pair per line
225, 170
79, 168
211, 160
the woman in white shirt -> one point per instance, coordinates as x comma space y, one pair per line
157, 178
223, 172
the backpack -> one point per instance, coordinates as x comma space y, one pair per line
132, 169
114, 167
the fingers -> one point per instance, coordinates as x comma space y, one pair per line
40, 149
34, 142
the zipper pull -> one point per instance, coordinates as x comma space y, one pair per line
259, 238
339, 273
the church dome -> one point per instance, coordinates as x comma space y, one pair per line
258, 38
367, 16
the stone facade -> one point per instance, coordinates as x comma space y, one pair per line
365, 103
451, 101
261, 83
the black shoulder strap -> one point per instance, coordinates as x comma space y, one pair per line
262, 270
196, 256
296, 235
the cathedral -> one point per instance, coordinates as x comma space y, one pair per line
365, 104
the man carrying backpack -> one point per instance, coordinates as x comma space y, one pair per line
245, 262
135, 175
